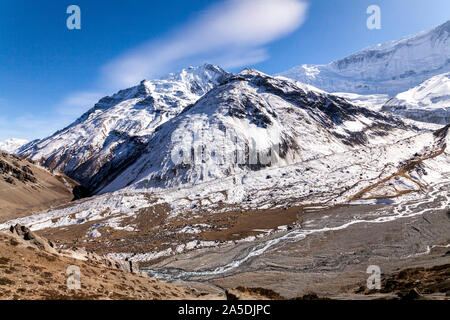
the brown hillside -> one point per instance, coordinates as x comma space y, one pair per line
26, 188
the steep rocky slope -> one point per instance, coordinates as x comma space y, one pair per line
26, 188
30, 268
285, 229
149, 224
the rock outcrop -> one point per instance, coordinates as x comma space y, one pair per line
31, 239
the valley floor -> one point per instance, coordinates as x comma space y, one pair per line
330, 250
324, 253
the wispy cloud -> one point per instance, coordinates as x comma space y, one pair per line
232, 33
31, 126
39, 125
78, 102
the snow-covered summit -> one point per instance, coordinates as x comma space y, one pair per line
171, 91
116, 128
250, 122
134, 137
12, 145
387, 68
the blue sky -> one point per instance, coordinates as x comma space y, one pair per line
50, 75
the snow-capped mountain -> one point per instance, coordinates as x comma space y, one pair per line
147, 224
12, 145
115, 131
240, 123
273, 121
252, 143
428, 102
387, 68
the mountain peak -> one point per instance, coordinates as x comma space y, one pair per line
387, 68
118, 125
443, 27
251, 71
206, 70
251, 122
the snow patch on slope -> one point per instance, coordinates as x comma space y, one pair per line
370, 101
428, 102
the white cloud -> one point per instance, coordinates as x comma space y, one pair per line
233, 31
238, 58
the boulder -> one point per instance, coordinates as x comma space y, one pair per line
31, 239
413, 294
